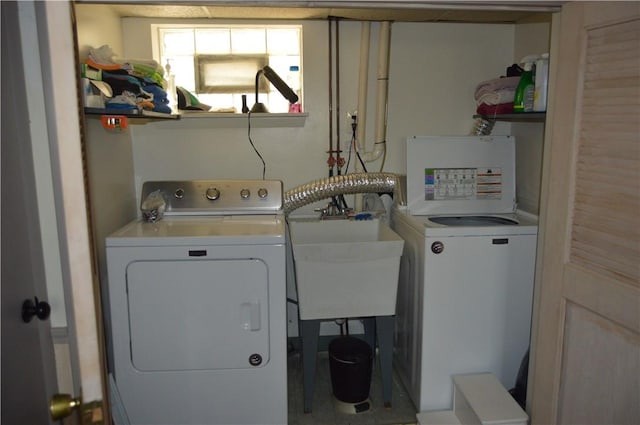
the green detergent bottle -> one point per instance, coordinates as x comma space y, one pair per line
523, 97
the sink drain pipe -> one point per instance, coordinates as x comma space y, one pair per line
318, 190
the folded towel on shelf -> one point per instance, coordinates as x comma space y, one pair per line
159, 98
102, 58
120, 80
124, 100
496, 85
491, 110
497, 97
143, 68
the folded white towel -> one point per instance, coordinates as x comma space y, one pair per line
497, 84
148, 63
496, 97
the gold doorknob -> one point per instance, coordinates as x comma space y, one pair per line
61, 405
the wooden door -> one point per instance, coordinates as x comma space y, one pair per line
586, 336
28, 363
40, 107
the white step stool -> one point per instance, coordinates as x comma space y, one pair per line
478, 399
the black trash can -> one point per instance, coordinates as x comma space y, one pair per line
350, 363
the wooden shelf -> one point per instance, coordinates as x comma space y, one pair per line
516, 117
231, 120
201, 119
131, 113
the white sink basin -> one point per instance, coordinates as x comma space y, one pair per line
345, 268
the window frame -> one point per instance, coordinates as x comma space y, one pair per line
201, 61
229, 94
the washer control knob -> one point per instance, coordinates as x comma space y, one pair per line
262, 193
179, 193
212, 193
437, 247
245, 193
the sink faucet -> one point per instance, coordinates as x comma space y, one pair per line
332, 211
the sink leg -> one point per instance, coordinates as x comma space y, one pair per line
384, 327
309, 332
370, 331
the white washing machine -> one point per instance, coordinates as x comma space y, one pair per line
197, 306
467, 270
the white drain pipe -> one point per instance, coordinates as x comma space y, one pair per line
380, 137
379, 145
363, 82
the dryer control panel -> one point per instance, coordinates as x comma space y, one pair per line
217, 197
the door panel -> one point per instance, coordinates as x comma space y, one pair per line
28, 365
40, 124
60, 79
592, 340
586, 340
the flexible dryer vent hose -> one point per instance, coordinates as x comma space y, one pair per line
338, 185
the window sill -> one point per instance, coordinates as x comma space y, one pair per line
201, 119
258, 120
139, 116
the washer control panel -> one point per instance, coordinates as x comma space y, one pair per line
217, 197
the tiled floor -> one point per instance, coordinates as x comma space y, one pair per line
324, 413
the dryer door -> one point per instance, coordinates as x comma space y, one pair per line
198, 315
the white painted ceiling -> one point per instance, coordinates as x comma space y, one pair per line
407, 11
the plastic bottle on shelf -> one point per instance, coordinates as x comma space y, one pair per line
245, 107
171, 89
541, 83
293, 81
523, 97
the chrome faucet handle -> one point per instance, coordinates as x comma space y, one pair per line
346, 211
323, 211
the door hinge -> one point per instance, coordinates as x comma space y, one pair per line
92, 413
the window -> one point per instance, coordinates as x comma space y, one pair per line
219, 63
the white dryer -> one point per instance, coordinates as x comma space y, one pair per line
467, 270
196, 301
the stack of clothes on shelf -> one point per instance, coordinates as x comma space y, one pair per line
495, 97
135, 84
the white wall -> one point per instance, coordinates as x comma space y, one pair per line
529, 39
434, 70
96, 25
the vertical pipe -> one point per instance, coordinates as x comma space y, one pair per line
383, 82
363, 82
382, 93
338, 159
330, 160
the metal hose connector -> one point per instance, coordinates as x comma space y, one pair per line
482, 127
338, 185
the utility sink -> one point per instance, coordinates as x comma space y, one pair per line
345, 268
